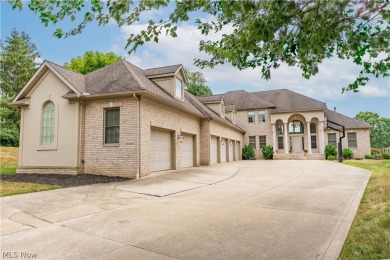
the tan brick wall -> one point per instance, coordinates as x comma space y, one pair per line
204, 141
255, 129
160, 116
116, 160
362, 137
48, 170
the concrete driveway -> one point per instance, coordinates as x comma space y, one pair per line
238, 210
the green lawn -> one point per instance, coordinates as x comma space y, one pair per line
369, 237
9, 161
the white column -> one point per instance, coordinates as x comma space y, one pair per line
322, 138
274, 143
285, 129
308, 137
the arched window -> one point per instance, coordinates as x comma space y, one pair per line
295, 127
48, 123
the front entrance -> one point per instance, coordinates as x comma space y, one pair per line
296, 142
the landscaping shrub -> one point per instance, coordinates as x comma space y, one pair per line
347, 153
268, 152
331, 157
375, 151
386, 155
248, 153
330, 150
368, 156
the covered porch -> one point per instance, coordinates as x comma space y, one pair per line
298, 135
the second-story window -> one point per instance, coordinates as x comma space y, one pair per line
251, 117
261, 116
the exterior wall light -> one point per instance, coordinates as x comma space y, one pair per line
180, 138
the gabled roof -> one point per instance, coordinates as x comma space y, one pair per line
244, 100
76, 79
287, 101
346, 121
160, 71
230, 108
211, 99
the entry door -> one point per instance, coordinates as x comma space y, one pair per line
161, 150
297, 144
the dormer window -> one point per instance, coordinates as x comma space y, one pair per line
179, 89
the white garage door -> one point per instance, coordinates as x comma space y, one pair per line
214, 150
223, 150
238, 151
231, 151
187, 151
160, 150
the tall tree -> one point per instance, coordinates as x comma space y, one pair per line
91, 61
196, 84
262, 34
380, 132
17, 62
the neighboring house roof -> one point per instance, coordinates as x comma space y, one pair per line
346, 121
287, 101
244, 100
211, 99
160, 71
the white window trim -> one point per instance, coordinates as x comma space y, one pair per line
181, 97
54, 145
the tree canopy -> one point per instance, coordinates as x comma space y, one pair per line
91, 61
380, 133
262, 34
196, 83
17, 64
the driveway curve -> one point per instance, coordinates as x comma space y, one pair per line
238, 210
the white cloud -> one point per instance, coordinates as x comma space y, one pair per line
334, 74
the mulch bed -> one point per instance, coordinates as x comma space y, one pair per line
63, 180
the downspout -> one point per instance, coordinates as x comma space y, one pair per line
138, 133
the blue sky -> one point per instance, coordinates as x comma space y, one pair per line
326, 86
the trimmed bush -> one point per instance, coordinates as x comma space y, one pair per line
386, 155
347, 153
248, 153
375, 151
331, 157
268, 152
330, 150
368, 156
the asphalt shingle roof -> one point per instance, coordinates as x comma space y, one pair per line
287, 100
77, 80
346, 121
244, 100
211, 99
161, 70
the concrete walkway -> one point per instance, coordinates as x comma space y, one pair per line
239, 210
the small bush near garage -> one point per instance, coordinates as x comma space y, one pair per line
330, 150
331, 158
386, 155
368, 156
347, 153
248, 153
268, 152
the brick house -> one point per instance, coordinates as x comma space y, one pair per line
124, 121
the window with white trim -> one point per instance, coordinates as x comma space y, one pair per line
352, 142
179, 88
262, 141
48, 123
111, 126
261, 116
332, 139
251, 117
252, 141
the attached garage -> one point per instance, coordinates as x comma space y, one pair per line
160, 150
214, 150
237, 151
231, 151
223, 149
187, 151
